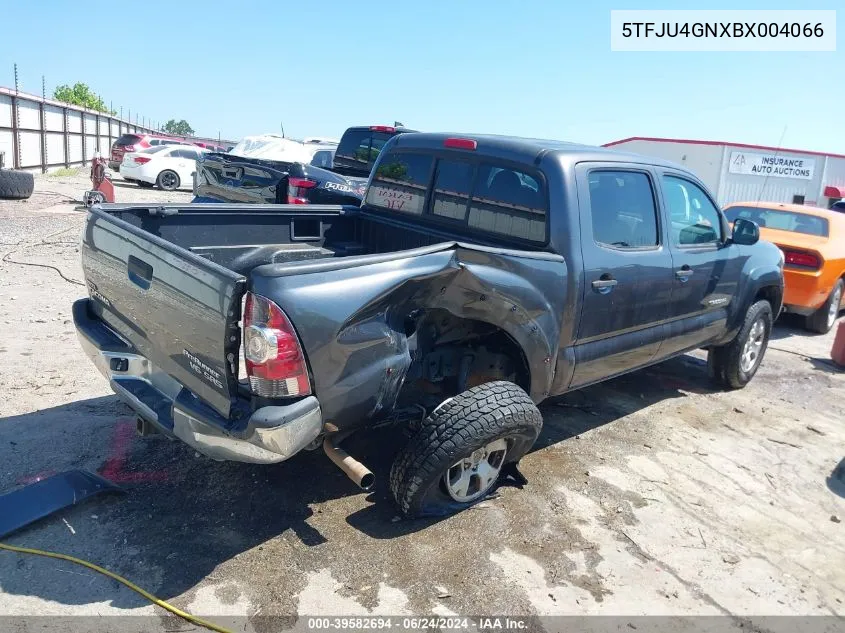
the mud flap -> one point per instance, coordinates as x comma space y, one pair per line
26, 505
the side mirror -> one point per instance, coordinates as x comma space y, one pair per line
745, 232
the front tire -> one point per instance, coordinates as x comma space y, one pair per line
454, 460
168, 180
733, 366
822, 320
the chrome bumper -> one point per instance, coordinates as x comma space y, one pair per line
272, 434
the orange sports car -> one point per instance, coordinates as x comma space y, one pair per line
813, 245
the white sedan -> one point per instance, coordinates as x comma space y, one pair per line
166, 166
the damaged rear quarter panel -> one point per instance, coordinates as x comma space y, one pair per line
350, 319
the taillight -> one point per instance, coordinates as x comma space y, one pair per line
298, 190
275, 364
800, 258
382, 128
142, 159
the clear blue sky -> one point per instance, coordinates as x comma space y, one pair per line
526, 68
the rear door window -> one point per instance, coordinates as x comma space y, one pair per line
400, 183
184, 153
508, 202
622, 207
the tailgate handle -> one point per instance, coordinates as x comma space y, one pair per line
232, 173
140, 272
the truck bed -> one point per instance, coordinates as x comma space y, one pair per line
242, 240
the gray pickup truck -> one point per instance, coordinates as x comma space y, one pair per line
480, 276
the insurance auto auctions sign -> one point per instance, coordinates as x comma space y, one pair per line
771, 165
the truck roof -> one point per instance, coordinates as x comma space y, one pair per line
527, 150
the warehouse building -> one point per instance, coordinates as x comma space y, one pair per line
738, 172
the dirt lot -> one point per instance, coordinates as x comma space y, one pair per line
650, 494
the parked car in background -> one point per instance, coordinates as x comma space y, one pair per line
481, 276
359, 148
272, 169
813, 243
168, 167
211, 147
136, 142
838, 206
322, 153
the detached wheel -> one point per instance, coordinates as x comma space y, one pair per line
822, 320
732, 366
16, 185
456, 457
168, 180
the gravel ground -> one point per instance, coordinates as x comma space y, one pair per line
649, 494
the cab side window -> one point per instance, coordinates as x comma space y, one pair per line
508, 202
184, 153
623, 210
694, 218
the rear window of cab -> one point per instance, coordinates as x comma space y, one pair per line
480, 195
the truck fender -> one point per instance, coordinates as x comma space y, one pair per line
353, 321
758, 278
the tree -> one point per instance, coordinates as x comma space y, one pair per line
80, 94
393, 171
177, 128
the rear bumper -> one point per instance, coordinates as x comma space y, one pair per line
134, 173
270, 434
805, 291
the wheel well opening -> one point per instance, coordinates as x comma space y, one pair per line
772, 294
450, 354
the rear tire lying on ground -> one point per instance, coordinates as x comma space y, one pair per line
16, 185
822, 320
733, 365
456, 457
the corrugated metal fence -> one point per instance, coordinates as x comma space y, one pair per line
39, 134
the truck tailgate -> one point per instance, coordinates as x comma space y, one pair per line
179, 310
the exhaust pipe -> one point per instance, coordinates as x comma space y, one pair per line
144, 428
355, 470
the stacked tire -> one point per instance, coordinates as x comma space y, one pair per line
15, 185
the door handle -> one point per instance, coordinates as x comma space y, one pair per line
604, 284
140, 272
684, 273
